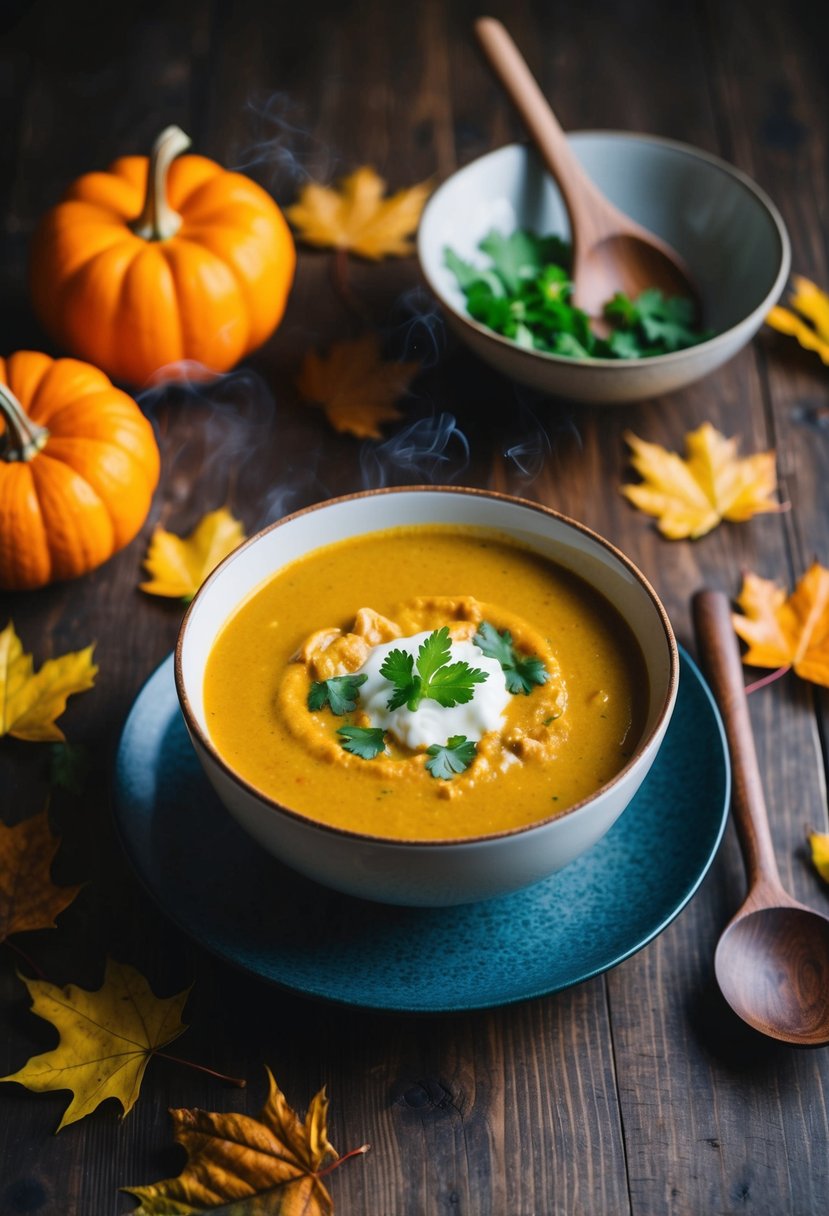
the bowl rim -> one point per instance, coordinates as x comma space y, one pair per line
666, 360
643, 744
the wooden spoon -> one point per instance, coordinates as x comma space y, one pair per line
772, 960
611, 252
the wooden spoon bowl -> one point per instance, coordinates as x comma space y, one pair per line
772, 966
772, 960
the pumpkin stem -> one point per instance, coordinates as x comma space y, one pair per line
23, 439
158, 221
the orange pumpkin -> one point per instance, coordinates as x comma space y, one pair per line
162, 260
78, 466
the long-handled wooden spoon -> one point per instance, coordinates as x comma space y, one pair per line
611, 252
772, 960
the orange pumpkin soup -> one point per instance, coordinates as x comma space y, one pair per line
425, 683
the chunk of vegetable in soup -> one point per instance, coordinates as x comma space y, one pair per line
426, 683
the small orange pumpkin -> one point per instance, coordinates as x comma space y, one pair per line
78, 467
160, 260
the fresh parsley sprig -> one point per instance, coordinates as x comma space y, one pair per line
340, 692
521, 672
363, 741
435, 678
451, 758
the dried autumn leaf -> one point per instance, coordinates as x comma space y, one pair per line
272, 1162
819, 844
357, 217
106, 1038
811, 326
28, 897
354, 386
787, 632
179, 565
31, 701
690, 496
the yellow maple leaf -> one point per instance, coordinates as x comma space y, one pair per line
30, 700
819, 845
28, 897
354, 386
690, 496
276, 1159
178, 565
357, 217
106, 1038
787, 632
807, 319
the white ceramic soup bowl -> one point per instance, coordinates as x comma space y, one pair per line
726, 228
447, 871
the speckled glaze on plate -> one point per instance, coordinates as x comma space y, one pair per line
239, 902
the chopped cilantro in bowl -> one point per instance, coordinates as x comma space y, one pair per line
525, 295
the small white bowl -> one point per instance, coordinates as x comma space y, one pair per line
730, 234
442, 872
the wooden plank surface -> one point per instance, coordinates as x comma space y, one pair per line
635, 1092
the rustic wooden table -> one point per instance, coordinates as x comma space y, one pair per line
637, 1091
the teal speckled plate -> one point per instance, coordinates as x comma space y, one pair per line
239, 902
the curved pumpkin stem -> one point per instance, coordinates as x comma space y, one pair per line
23, 439
158, 221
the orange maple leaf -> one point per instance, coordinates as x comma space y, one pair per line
691, 496
357, 217
28, 897
807, 319
235, 1157
787, 632
354, 386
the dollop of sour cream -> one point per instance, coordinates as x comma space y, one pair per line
430, 722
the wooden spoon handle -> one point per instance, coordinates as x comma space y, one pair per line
720, 657
583, 201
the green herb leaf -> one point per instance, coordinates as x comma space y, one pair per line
363, 741
521, 673
473, 277
625, 345
436, 679
452, 758
667, 321
521, 256
454, 684
340, 692
398, 669
620, 308
568, 344
434, 653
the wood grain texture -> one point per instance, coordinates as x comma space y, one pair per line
635, 1093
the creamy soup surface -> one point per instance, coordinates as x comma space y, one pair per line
342, 610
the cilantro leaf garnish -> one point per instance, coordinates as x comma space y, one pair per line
363, 741
447, 760
398, 667
521, 672
525, 295
340, 692
436, 679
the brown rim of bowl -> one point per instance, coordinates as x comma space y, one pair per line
204, 740
756, 314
